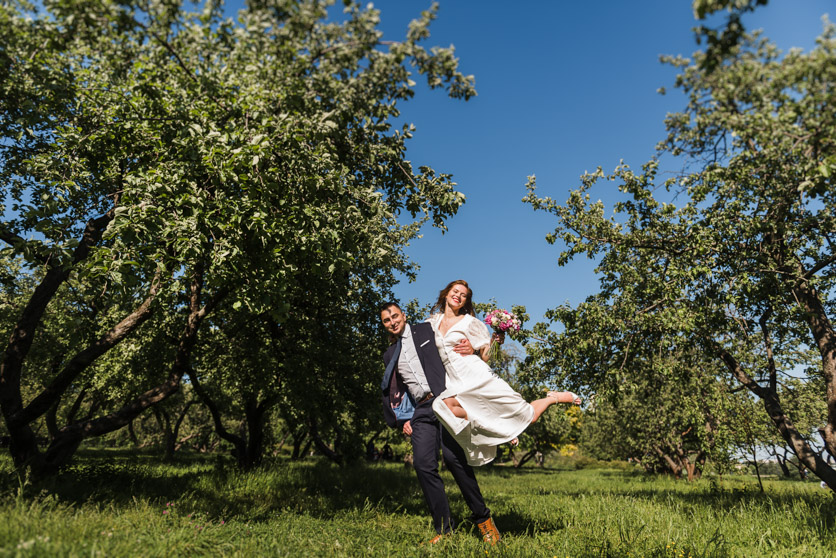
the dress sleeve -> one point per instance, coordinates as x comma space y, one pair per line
478, 334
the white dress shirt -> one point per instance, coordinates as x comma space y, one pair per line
410, 369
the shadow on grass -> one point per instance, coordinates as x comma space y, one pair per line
515, 523
719, 497
214, 486
211, 484
507, 471
118, 476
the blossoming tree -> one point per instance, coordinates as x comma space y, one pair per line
156, 160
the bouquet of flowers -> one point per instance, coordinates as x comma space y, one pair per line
501, 321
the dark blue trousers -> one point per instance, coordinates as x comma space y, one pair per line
428, 436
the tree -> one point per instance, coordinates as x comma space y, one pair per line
319, 365
721, 41
744, 266
657, 400
802, 401
182, 162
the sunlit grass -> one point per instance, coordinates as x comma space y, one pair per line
128, 504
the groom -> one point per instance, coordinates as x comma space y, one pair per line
414, 365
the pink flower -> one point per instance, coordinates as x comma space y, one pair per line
503, 321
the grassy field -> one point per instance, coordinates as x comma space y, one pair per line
128, 504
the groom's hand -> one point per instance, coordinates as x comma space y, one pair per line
464, 347
407, 428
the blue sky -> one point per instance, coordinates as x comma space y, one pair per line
563, 88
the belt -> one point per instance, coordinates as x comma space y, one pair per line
427, 397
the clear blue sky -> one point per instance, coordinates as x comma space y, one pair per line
563, 88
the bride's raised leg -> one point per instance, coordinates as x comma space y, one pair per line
540, 405
455, 407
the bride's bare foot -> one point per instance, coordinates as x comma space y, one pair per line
515, 442
564, 397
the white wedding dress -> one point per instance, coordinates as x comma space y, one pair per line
496, 414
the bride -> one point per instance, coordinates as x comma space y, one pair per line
478, 407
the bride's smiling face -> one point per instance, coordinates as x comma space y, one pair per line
456, 298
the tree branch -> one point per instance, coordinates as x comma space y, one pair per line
23, 335
770, 357
86, 357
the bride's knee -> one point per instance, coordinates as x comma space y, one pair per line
455, 407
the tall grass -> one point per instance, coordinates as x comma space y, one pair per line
114, 503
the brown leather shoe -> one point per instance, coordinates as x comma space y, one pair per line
490, 534
435, 540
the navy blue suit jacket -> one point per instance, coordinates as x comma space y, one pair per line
424, 338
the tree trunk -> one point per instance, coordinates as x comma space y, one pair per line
164, 420
757, 468
799, 468
239, 444
73, 410
825, 337
699, 465
53, 392
685, 462
670, 463
172, 444
800, 447
322, 446
183, 440
132, 434
298, 439
51, 419
374, 438
513, 456
248, 450
782, 462
256, 413
58, 454
694, 468
278, 448
307, 448
525, 458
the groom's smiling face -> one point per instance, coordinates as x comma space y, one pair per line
393, 320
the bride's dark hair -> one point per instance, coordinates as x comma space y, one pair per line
441, 303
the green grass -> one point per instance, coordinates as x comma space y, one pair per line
113, 503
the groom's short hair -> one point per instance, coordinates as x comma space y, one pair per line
388, 304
